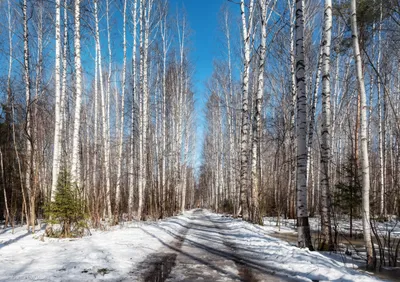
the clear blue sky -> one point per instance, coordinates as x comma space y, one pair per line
203, 18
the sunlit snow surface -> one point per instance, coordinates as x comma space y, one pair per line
198, 244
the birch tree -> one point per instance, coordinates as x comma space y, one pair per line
326, 233
134, 93
247, 30
230, 117
121, 129
364, 141
142, 131
58, 118
165, 47
75, 174
29, 140
255, 177
381, 128
303, 227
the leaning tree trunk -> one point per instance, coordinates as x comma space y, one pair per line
303, 227
364, 142
326, 232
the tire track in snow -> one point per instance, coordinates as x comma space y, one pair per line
245, 272
158, 266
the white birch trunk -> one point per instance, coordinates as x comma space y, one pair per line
326, 232
132, 157
29, 141
140, 101
247, 32
293, 149
64, 82
106, 122
75, 173
103, 106
381, 125
95, 135
364, 141
58, 118
312, 113
303, 227
255, 213
121, 129
165, 47
230, 119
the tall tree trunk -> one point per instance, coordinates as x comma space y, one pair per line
57, 129
29, 140
106, 125
75, 173
364, 142
303, 227
246, 31
3, 180
312, 114
63, 111
293, 92
381, 123
230, 119
255, 177
132, 156
95, 190
165, 47
141, 176
326, 232
121, 129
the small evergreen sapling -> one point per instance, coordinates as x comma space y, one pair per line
68, 208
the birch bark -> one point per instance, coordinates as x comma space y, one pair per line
106, 122
255, 177
78, 100
303, 227
326, 232
131, 162
364, 141
246, 32
28, 172
57, 129
121, 129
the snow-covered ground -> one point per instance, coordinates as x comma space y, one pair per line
195, 244
343, 225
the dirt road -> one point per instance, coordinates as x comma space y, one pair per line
203, 250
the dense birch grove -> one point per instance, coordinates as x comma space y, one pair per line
302, 115
100, 91
301, 112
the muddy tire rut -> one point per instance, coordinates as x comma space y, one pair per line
157, 267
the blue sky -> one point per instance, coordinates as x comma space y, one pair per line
202, 16
204, 43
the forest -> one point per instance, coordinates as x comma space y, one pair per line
100, 118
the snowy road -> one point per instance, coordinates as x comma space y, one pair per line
196, 246
209, 247
203, 250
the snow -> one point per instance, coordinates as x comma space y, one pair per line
343, 225
204, 243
